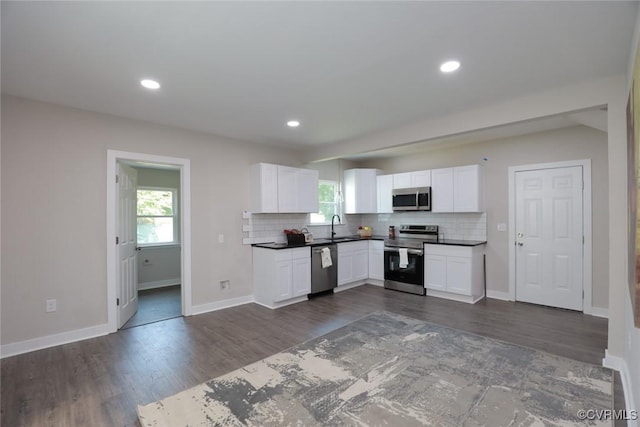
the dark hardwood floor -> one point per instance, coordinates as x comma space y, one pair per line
155, 305
98, 382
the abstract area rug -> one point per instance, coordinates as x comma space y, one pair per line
387, 369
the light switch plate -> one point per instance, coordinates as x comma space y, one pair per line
502, 226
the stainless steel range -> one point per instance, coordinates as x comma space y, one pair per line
404, 258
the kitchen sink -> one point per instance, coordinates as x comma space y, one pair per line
335, 239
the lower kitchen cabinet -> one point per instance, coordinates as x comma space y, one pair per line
281, 276
376, 260
353, 262
454, 272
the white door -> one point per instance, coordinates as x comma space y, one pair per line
549, 240
127, 243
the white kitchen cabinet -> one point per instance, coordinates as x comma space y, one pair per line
287, 189
454, 272
283, 189
385, 189
468, 188
281, 276
376, 259
264, 188
420, 178
353, 262
442, 190
360, 191
458, 189
308, 191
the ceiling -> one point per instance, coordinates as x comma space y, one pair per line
345, 70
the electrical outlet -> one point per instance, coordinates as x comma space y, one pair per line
225, 284
51, 305
220, 238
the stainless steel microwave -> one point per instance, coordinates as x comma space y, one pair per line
412, 199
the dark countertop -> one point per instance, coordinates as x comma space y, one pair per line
316, 242
454, 242
344, 239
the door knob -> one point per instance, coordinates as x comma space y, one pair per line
520, 244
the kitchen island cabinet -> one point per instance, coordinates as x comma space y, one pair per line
281, 277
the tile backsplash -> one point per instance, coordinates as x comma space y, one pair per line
460, 226
262, 228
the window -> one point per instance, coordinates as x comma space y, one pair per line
157, 216
329, 200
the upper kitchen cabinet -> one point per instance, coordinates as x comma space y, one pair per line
360, 191
283, 189
458, 189
385, 189
412, 179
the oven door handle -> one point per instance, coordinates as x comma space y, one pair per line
409, 251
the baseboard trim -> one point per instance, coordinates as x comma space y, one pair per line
158, 284
598, 312
619, 364
341, 288
27, 346
220, 305
375, 282
504, 296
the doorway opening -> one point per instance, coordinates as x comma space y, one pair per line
152, 282
158, 244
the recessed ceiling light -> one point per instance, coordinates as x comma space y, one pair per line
150, 84
293, 123
449, 66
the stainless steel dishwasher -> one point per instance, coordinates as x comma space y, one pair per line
323, 279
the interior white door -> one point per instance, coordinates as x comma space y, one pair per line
127, 243
549, 240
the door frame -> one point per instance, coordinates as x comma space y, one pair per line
587, 249
184, 165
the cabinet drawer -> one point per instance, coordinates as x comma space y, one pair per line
299, 253
283, 255
457, 251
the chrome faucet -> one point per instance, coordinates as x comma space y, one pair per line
333, 233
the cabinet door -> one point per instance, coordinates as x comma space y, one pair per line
367, 191
435, 272
301, 276
402, 180
283, 281
345, 267
385, 188
376, 260
264, 188
421, 178
360, 191
360, 264
467, 193
287, 189
442, 190
459, 275
307, 191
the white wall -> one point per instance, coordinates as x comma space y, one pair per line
551, 146
54, 220
624, 338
